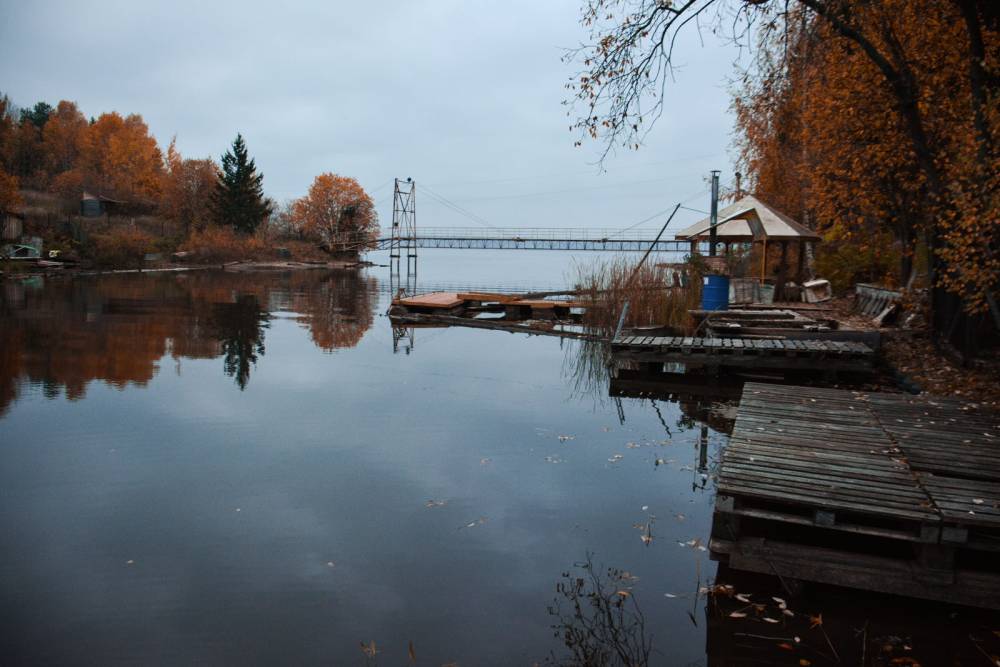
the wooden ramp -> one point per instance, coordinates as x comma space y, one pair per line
826, 355
887, 492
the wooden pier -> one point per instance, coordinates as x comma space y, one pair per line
885, 492
825, 355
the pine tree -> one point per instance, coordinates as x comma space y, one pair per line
238, 199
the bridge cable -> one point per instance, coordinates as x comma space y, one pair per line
456, 208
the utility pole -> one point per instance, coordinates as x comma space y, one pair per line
714, 218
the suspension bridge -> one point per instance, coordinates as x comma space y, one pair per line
405, 237
532, 238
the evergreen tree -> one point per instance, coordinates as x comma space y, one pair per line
238, 199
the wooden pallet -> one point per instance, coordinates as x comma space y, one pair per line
747, 353
915, 476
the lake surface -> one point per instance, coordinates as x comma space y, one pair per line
253, 468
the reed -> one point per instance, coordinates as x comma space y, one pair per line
654, 299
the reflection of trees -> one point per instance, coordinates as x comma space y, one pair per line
340, 310
239, 326
599, 620
116, 328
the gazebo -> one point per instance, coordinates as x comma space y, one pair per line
749, 220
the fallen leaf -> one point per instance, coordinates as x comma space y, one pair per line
737, 614
742, 597
770, 620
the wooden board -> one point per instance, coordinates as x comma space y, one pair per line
432, 300
883, 459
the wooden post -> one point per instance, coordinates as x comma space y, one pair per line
801, 270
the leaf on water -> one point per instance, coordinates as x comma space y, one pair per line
330, 563
737, 614
485, 462
616, 458
436, 503
632, 445
669, 595
781, 603
770, 620
742, 597
788, 612
786, 646
564, 438
645, 508
369, 649
816, 621
646, 539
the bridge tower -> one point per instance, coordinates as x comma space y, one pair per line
404, 237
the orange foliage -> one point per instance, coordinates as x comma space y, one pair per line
826, 137
123, 247
120, 158
338, 212
9, 195
224, 244
187, 188
63, 137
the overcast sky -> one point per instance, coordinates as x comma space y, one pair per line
464, 97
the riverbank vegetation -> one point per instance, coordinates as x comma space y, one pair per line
878, 124
102, 191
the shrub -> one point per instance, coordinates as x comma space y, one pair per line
121, 248
223, 244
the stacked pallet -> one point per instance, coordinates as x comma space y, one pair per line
885, 492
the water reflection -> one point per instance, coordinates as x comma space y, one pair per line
239, 327
63, 334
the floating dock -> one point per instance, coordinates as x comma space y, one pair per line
884, 492
789, 354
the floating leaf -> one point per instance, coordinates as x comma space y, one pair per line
737, 614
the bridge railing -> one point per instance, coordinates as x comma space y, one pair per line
538, 234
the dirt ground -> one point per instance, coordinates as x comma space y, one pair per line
912, 353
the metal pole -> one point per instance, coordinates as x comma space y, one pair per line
714, 219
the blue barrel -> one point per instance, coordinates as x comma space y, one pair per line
715, 293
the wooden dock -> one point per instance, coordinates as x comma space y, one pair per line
885, 492
825, 355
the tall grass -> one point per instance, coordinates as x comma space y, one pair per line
652, 297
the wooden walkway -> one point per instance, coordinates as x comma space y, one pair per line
747, 353
888, 492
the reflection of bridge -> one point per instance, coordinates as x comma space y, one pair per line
538, 238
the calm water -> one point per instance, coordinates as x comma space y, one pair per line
222, 468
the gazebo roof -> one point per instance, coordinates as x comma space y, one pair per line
750, 219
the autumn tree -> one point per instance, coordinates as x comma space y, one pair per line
239, 199
63, 137
188, 187
119, 158
338, 212
9, 195
909, 102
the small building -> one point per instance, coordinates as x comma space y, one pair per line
94, 206
749, 220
